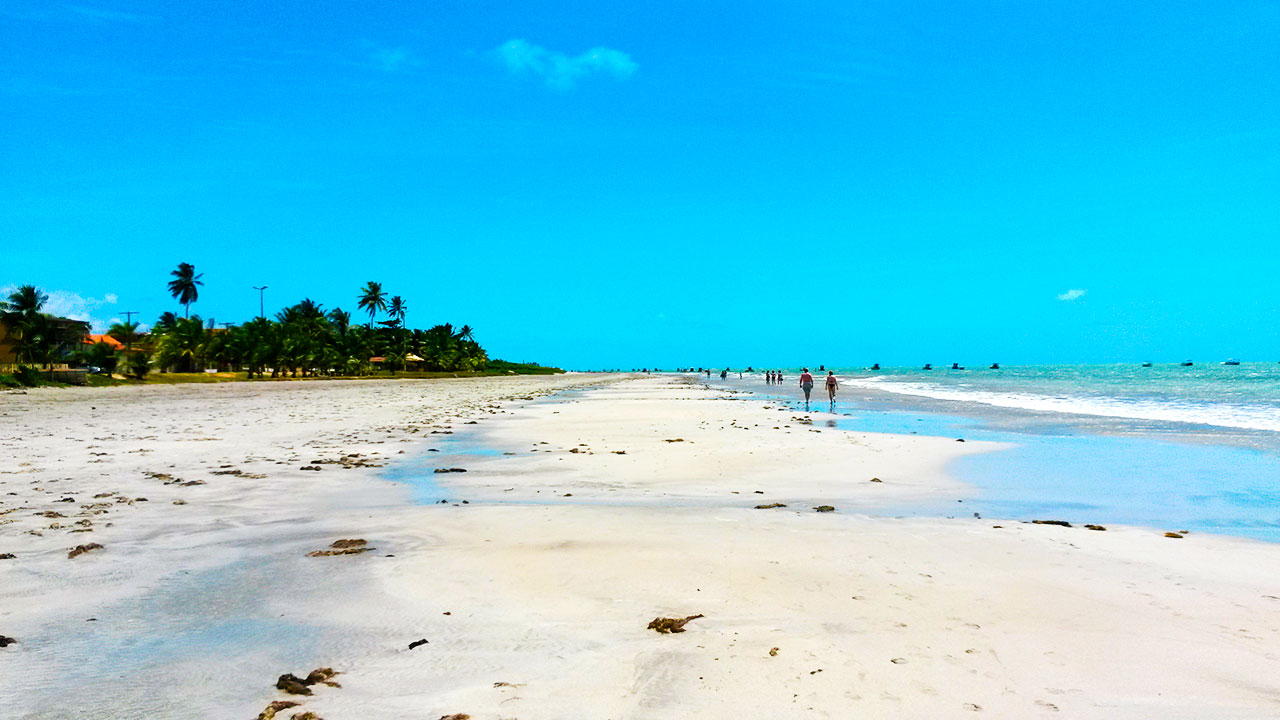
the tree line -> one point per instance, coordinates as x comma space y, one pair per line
301, 340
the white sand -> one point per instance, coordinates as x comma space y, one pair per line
199, 606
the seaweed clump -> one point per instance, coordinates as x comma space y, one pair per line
351, 546
825, 508
667, 626
1094, 527
1060, 523
295, 685
269, 713
770, 506
82, 549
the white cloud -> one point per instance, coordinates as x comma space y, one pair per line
394, 59
1072, 294
67, 304
560, 71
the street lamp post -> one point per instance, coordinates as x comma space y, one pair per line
128, 320
260, 306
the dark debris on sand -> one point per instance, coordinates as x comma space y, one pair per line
269, 713
348, 546
671, 625
295, 685
770, 506
82, 549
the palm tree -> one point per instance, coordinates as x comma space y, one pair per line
25, 301
184, 286
26, 329
125, 332
372, 300
183, 346
397, 310
166, 322
340, 320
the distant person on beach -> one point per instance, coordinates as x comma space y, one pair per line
832, 386
724, 374
806, 384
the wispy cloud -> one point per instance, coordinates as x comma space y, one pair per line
98, 312
559, 70
393, 59
1072, 294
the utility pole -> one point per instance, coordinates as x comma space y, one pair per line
128, 319
260, 306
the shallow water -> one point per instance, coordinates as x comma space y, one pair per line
1060, 467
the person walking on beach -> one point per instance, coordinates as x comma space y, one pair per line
724, 374
832, 386
806, 384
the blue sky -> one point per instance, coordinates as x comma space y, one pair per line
602, 184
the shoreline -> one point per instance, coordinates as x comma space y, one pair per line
534, 600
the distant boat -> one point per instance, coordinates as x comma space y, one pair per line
1187, 363
994, 366
876, 366
957, 366
1232, 361
1146, 364
928, 366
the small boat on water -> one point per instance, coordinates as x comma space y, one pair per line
875, 366
1146, 364
1232, 361
957, 366
1187, 363
994, 366
928, 366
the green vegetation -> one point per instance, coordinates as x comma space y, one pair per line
302, 341
502, 367
35, 337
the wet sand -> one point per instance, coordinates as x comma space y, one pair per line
630, 500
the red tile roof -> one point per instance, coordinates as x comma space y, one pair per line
95, 339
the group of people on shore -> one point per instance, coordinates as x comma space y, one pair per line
773, 377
